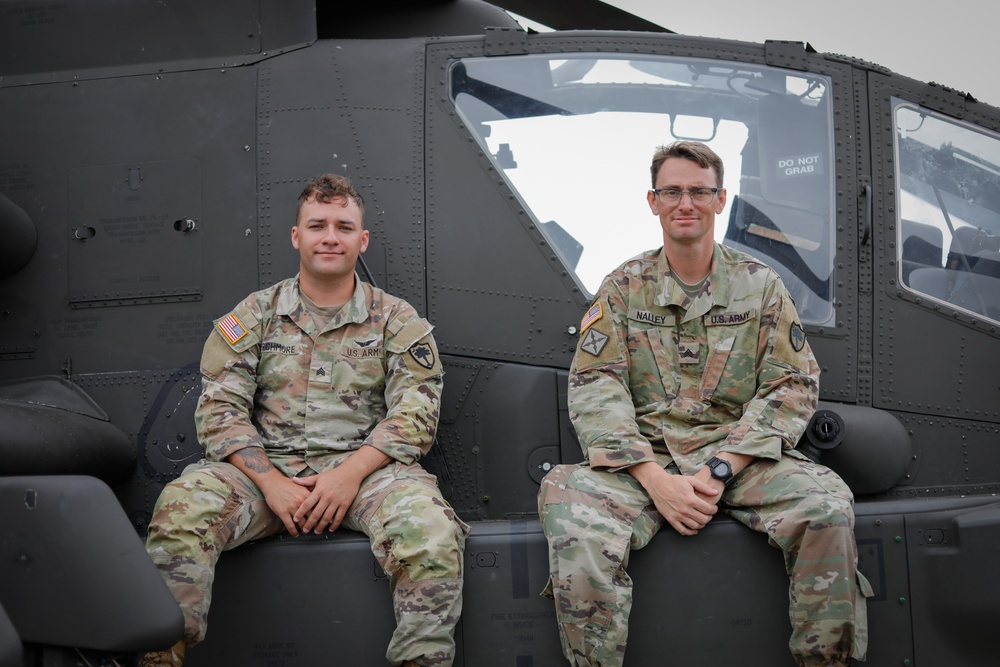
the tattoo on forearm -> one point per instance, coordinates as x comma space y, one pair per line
255, 459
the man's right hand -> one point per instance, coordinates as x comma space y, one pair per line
686, 502
284, 497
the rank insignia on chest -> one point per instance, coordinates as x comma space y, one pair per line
321, 372
688, 351
231, 328
593, 342
797, 337
595, 313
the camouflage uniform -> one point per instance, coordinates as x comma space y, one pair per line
661, 376
309, 398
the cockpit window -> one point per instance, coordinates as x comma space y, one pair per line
948, 236
574, 136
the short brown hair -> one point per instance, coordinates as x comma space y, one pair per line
688, 150
328, 187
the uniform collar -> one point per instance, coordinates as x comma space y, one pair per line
355, 311
715, 291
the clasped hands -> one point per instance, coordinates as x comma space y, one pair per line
320, 502
687, 502
312, 504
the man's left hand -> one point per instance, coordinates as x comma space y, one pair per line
333, 491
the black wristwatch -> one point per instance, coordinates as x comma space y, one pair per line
721, 470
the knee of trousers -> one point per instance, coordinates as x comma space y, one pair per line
830, 511
427, 542
584, 514
186, 510
820, 526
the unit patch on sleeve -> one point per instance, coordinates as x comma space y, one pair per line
595, 313
593, 342
232, 328
797, 336
423, 354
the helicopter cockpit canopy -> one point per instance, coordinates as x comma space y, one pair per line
574, 136
949, 203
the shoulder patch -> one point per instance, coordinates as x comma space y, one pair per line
423, 354
797, 336
237, 332
595, 313
790, 344
405, 335
237, 328
393, 327
599, 343
231, 328
593, 342
420, 358
214, 357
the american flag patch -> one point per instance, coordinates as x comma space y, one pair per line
595, 313
231, 328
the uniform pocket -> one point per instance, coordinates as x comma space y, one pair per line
653, 370
731, 369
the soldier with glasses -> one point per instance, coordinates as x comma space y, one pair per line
691, 385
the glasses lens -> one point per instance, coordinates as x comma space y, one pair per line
673, 195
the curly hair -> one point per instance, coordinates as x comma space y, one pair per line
328, 187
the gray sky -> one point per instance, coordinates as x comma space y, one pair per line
946, 42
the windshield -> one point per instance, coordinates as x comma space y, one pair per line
574, 137
949, 210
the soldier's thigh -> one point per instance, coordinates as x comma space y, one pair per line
577, 497
218, 497
784, 495
787, 480
402, 511
400, 494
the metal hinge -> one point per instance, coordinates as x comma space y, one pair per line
505, 42
791, 55
946, 100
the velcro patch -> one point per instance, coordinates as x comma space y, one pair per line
406, 335
231, 328
598, 344
789, 344
593, 342
321, 372
595, 313
362, 352
797, 336
688, 351
423, 354
717, 319
648, 317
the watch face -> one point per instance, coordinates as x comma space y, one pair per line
721, 469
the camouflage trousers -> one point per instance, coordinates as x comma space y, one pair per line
415, 535
592, 519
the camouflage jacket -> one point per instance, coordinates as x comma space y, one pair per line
271, 380
659, 376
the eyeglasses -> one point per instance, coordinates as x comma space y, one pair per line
673, 195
